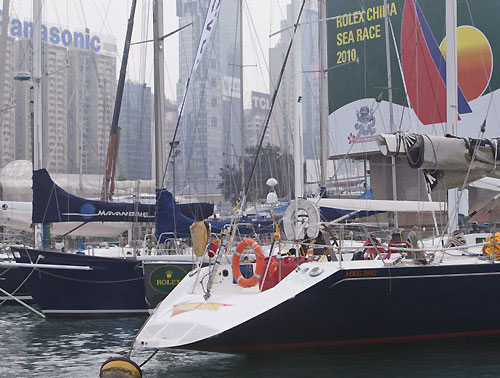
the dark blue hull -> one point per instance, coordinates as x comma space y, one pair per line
114, 287
11, 281
376, 305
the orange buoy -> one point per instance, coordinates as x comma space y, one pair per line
259, 270
120, 367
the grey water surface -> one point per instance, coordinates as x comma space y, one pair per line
35, 347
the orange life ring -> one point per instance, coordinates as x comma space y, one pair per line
259, 270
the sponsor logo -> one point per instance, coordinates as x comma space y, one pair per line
87, 211
365, 124
260, 103
164, 278
55, 35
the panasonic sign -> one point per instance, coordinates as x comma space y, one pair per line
55, 35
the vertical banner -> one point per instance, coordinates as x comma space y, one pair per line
358, 92
210, 22
208, 27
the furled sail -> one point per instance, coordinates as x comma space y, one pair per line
447, 161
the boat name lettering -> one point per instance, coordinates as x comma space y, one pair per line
360, 273
122, 213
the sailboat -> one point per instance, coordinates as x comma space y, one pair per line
401, 294
82, 285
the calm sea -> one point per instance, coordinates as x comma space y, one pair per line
33, 347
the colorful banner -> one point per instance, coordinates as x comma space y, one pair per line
358, 86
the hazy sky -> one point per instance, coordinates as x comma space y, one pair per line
109, 17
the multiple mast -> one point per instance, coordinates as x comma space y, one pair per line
159, 99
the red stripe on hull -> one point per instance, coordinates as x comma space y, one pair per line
379, 340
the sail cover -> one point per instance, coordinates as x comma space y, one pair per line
447, 161
171, 221
52, 204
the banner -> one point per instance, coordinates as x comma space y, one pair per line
358, 86
261, 103
210, 22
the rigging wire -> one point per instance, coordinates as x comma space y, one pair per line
266, 124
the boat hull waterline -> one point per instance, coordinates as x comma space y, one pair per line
352, 305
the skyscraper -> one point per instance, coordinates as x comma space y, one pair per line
78, 86
209, 133
283, 115
134, 154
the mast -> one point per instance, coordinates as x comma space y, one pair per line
323, 95
37, 101
108, 185
451, 99
391, 107
297, 93
159, 89
3, 45
242, 119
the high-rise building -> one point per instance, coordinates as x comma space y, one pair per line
210, 130
78, 89
8, 109
134, 154
283, 115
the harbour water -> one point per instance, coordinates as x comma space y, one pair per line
34, 347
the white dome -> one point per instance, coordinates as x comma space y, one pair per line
272, 182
